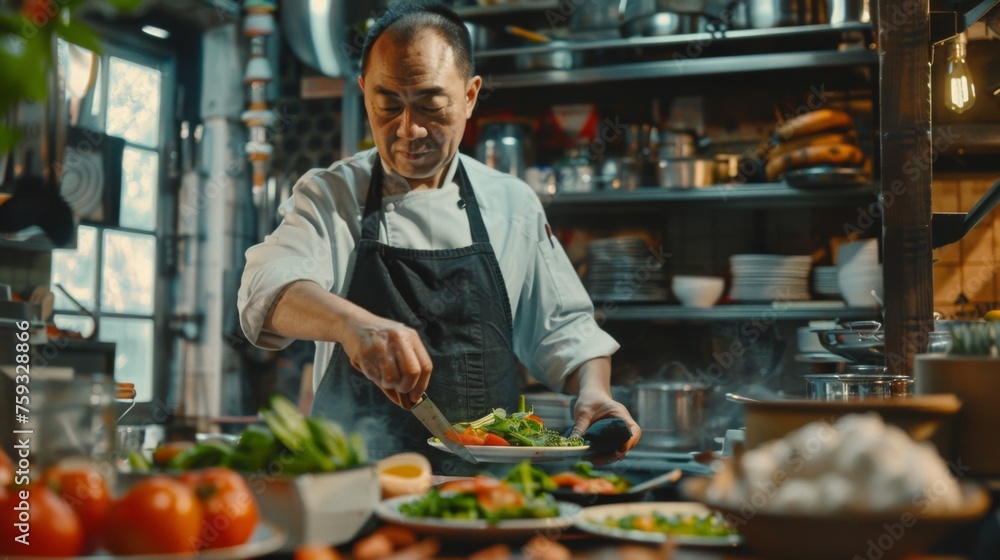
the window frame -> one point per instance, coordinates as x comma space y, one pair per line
145, 53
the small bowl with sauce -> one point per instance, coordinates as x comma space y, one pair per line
404, 473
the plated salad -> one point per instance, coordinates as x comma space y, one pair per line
709, 525
522, 495
521, 428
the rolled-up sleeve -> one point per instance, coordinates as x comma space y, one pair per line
309, 244
555, 330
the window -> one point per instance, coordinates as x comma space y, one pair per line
113, 272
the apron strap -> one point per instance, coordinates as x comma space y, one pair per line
373, 204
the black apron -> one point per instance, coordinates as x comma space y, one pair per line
456, 299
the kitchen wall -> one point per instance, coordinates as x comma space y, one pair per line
967, 269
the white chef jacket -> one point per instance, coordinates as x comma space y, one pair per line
554, 326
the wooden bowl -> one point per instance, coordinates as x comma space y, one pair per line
885, 535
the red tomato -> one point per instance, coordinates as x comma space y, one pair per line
493, 439
159, 515
470, 436
6, 469
567, 479
39, 12
83, 488
52, 527
231, 512
534, 418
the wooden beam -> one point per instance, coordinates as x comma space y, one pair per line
903, 36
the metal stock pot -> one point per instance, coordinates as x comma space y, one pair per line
671, 413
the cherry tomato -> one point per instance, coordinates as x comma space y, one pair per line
493, 439
167, 451
53, 528
159, 515
83, 489
230, 509
6, 469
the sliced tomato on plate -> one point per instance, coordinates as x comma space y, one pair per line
472, 485
500, 497
493, 439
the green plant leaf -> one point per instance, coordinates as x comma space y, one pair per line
79, 34
125, 5
9, 138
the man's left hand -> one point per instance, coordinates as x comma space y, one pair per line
593, 405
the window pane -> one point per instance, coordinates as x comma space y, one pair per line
82, 325
133, 340
76, 270
128, 272
134, 102
140, 182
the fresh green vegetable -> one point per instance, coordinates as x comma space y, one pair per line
138, 462
710, 525
521, 429
530, 480
297, 444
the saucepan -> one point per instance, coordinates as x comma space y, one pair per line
864, 341
672, 414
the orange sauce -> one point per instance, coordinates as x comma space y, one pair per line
404, 471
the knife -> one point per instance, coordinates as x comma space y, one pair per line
439, 426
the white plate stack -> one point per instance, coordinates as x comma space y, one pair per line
770, 277
825, 281
621, 269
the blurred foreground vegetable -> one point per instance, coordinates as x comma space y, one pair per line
289, 442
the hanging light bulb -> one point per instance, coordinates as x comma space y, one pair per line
960, 92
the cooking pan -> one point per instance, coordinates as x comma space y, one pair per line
949, 227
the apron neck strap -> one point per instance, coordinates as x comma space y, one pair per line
467, 199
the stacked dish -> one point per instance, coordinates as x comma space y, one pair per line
623, 269
825, 281
859, 273
770, 277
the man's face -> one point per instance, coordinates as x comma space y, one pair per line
418, 103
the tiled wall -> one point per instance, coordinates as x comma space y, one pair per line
970, 267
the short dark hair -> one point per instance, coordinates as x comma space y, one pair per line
406, 19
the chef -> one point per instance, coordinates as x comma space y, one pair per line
418, 269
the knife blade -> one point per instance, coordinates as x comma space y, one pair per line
431, 417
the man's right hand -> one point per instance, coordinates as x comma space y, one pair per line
389, 353
392, 356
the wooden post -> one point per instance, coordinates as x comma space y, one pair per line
903, 36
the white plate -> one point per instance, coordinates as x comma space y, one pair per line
592, 520
515, 454
266, 539
388, 511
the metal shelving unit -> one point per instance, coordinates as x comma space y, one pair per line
778, 311
686, 67
740, 195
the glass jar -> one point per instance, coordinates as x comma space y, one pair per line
71, 418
